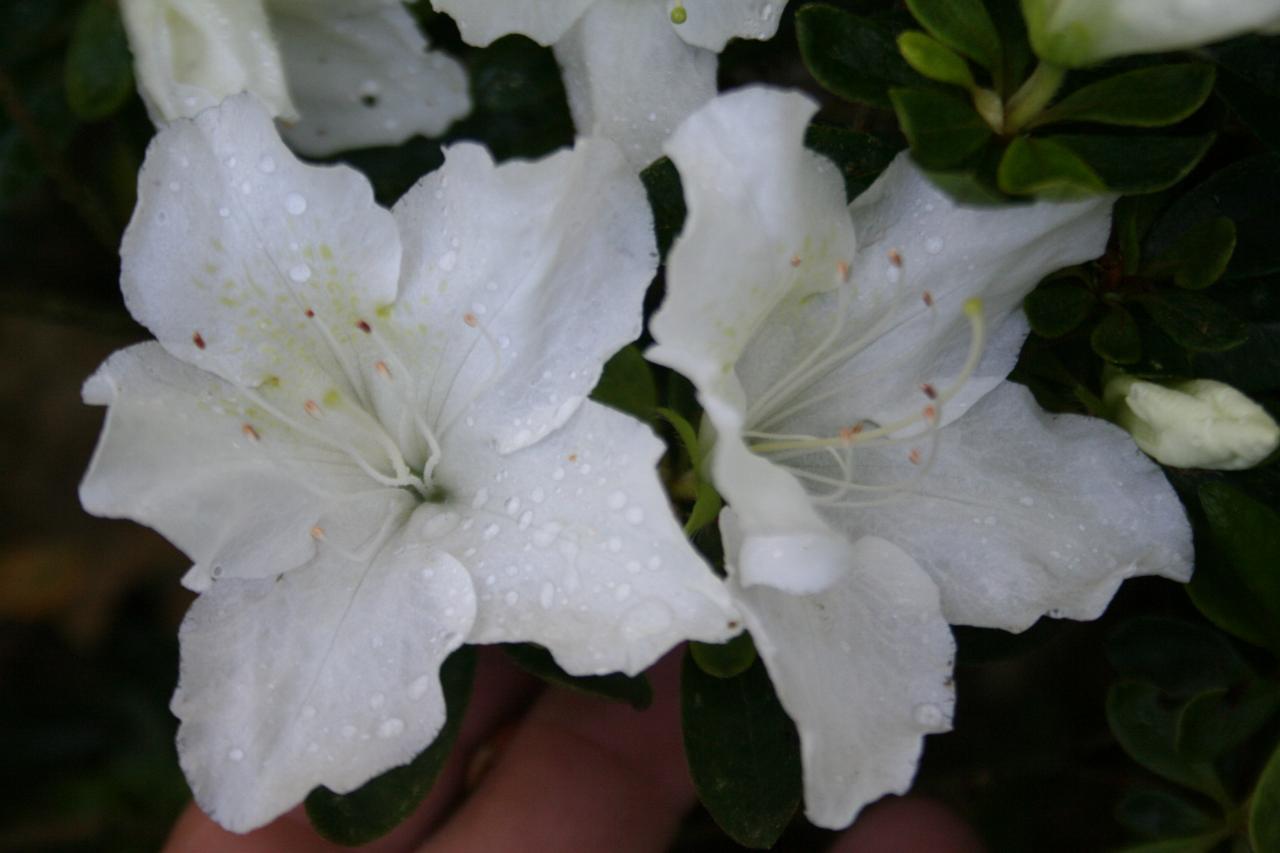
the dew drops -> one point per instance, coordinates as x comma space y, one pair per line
526, 518
538, 495
647, 619
224, 212
236, 754
448, 261
377, 700
635, 515
928, 715
490, 531
267, 164
548, 595
512, 506
174, 186
419, 686
391, 727
617, 500
295, 204
348, 731
481, 498
614, 544
300, 273
308, 711
511, 598
1027, 500
544, 536
557, 474
623, 592
766, 11
934, 245
439, 524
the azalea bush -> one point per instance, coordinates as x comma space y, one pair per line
907, 369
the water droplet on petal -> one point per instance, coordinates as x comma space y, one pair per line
448, 261
647, 619
390, 727
377, 700
929, 716
236, 754
295, 204
548, 595
635, 515
511, 597
419, 686
617, 500
300, 273
267, 164
934, 245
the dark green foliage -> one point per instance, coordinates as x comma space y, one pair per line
99, 70
634, 690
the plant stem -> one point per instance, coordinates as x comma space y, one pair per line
1033, 96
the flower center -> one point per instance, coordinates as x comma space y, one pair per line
827, 462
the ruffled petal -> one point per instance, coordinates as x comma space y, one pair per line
630, 78
326, 676
242, 493
191, 54
519, 282
573, 545
247, 263
361, 75
711, 23
864, 670
1023, 513
482, 21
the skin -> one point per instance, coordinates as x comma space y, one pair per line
528, 758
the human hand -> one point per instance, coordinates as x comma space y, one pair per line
550, 771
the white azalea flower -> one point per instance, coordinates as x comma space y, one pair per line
1081, 32
633, 69
341, 73
1196, 423
369, 430
883, 478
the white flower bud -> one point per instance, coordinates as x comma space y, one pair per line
1198, 423
1081, 32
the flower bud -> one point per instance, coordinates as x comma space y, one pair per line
1198, 423
1081, 32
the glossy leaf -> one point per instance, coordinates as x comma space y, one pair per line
1047, 169
725, 660
1219, 720
861, 157
627, 384
1194, 321
743, 752
1056, 308
854, 57
1146, 727
1181, 658
535, 660
1154, 813
1148, 97
1117, 338
379, 806
1264, 808
1241, 591
943, 128
99, 69
1138, 164
934, 60
1200, 257
962, 25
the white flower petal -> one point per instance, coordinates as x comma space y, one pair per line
361, 75
630, 78
758, 201
242, 494
519, 282
864, 670
190, 54
572, 545
234, 240
1024, 513
482, 21
326, 676
711, 23
1080, 32
913, 240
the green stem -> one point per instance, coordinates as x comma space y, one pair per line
1033, 96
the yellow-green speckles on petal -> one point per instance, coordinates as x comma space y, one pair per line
332, 397
679, 15
383, 311
326, 252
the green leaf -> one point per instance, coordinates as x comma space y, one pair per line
1181, 658
706, 508
1243, 595
1134, 216
1219, 720
1153, 813
1057, 307
1146, 727
962, 25
935, 60
28, 27
1246, 192
627, 384
861, 157
1117, 338
1198, 844
1047, 169
1200, 256
1194, 321
854, 57
666, 198
99, 69
1264, 808
1148, 97
535, 660
743, 752
725, 660
1138, 164
382, 803
943, 128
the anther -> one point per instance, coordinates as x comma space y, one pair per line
364, 327
310, 313
927, 299
895, 257
849, 434
198, 340
311, 408
317, 533
470, 319
679, 15
383, 370
930, 413
842, 269
915, 456
250, 433
795, 260
572, 457
929, 391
